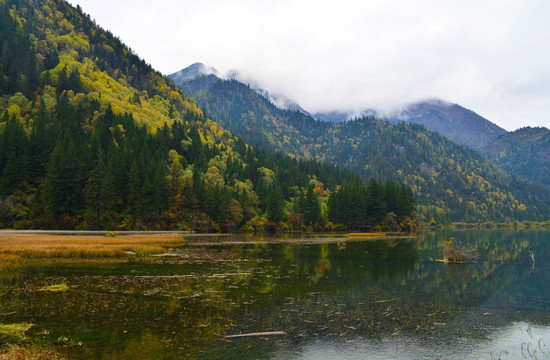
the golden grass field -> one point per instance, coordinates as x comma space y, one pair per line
17, 247
34, 352
38, 246
363, 234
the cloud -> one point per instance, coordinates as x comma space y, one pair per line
490, 56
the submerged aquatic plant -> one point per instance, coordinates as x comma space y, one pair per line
457, 254
55, 288
14, 331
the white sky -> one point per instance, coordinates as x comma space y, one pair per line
491, 56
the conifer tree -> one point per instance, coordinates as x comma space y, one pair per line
61, 183
312, 214
275, 204
95, 192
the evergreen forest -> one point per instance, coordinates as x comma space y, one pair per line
91, 137
452, 182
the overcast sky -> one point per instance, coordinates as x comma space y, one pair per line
492, 57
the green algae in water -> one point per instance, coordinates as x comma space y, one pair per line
55, 288
14, 331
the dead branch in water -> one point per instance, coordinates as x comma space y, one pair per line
459, 254
268, 333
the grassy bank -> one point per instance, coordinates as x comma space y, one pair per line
14, 247
28, 352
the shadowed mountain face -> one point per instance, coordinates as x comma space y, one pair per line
451, 181
525, 152
451, 120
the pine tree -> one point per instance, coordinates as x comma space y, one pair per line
312, 214
10, 176
40, 145
133, 204
13, 159
62, 80
275, 204
376, 210
95, 192
74, 82
61, 182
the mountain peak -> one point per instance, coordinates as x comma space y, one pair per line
197, 69
193, 71
452, 120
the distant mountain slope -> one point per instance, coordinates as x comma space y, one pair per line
279, 100
454, 121
451, 120
451, 181
198, 69
525, 152
332, 116
252, 116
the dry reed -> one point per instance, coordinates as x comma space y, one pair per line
27, 352
7, 260
36, 246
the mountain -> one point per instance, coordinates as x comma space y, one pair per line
193, 71
279, 100
92, 137
452, 120
199, 69
252, 116
525, 152
332, 116
451, 181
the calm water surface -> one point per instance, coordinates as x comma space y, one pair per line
333, 298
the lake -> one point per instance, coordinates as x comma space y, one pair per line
332, 297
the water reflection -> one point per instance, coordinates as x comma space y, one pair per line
334, 298
515, 341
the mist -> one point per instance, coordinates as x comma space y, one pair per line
489, 56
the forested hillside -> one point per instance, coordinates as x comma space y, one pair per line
450, 181
525, 152
252, 116
91, 137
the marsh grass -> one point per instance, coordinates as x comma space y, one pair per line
39, 246
7, 260
27, 352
